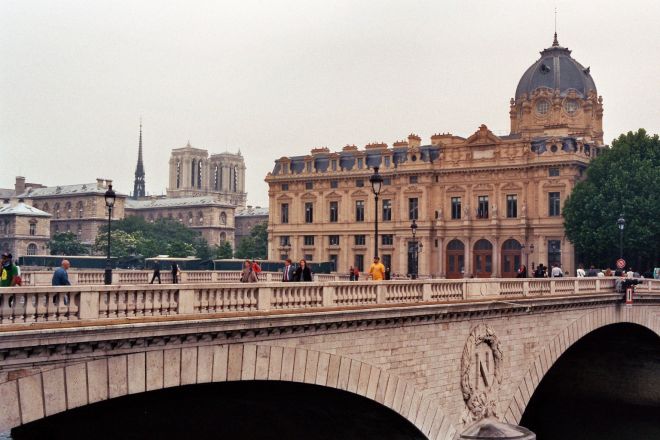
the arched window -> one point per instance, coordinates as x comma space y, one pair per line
190, 217
455, 245
180, 218
235, 179
80, 210
200, 217
511, 244
45, 207
178, 173
199, 174
67, 207
223, 218
79, 231
223, 237
56, 208
483, 245
215, 178
32, 249
192, 173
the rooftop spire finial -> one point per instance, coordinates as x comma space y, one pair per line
138, 184
555, 42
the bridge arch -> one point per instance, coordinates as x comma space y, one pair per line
566, 338
59, 389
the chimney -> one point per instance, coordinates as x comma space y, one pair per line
414, 140
19, 186
99, 183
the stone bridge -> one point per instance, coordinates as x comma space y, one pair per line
440, 353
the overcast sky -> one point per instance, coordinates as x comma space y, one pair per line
275, 78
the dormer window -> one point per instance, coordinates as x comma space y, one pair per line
542, 106
571, 106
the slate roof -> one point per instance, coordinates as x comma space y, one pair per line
50, 191
22, 209
174, 202
251, 211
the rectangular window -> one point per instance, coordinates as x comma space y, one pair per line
553, 172
284, 240
359, 183
412, 179
284, 213
333, 165
309, 257
554, 205
387, 161
359, 210
33, 228
334, 184
308, 240
360, 240
360, 162
334, 258
334, 212
387, 181
511, 206
387, 210
309, 185
413, 208
482, 207
309, 212
554, 253
387, 239
333, 240
359, 262
455, 208
285, 187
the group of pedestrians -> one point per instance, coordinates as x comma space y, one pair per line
377, 272
176, 273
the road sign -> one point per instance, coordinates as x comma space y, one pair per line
620, 263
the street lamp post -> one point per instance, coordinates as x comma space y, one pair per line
109, 202
413, 228
621, 223
376, 185
527, 250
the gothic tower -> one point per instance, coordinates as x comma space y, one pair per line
138, 185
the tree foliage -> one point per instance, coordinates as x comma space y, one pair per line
66, 243
136, 236
255, 245
624, 179
224, 250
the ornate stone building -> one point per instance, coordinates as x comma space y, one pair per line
213, 219
193, 172
24, 230
76, 208
247, 218
483, 204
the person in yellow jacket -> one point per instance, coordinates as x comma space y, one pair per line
377, 270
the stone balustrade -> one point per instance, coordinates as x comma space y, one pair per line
87, 302
123, 277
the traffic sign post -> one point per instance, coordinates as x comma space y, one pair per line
620, 263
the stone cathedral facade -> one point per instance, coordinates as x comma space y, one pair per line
484, 204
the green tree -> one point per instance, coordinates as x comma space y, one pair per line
624, 179
224, 250
256, 244
122, 243
66, 243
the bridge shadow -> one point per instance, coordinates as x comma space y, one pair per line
606, 386
260, 410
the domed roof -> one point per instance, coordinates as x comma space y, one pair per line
556, 69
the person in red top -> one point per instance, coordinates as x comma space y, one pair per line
356, 273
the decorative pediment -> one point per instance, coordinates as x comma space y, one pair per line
284, 198
333, 195
483, 187
360, 193
511, 187
308, 196
483, 136
388, 192
413, 189
455, 188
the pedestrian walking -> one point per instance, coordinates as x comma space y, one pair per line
377, 270
175, 273
156, 272
61, 276
247, 274
580, 272
522, 272
556, 271
9, 271
388, 274
287, 272
540, 271
351, 274
356, 274
303, 272
592, 271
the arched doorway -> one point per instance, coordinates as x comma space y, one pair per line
511, 252
483, 259
604, 386
455, 259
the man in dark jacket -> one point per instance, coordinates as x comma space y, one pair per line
156, 272
61, 276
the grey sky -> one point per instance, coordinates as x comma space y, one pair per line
277, 78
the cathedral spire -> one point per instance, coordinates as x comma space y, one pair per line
138, 185
555, 42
